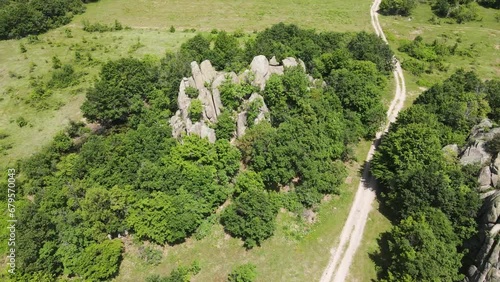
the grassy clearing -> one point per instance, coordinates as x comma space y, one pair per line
232, 15
17, 68
483, 35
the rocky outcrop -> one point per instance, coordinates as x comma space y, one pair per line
486, 247
207, 81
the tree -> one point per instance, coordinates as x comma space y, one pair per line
369, 47
226, 54
122, 90
243, 273
493, 98
195, 110
166, 218
100, 261
251, 217
226, 125
398, 7
423, 247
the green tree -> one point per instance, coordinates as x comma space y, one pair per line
195, 110
166, 218
423, 247
100, 261
493, 98
121, 91
226, 125
398, 7
251, 217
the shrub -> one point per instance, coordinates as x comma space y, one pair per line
21, 122
195, 109
63, 77
172, 29
398, 7
243, 273
191, 92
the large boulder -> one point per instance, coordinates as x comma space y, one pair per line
260, 69
183, 101
199, 79
475, 154
201, 129
209, 109
274, 62
292, 62
208, 71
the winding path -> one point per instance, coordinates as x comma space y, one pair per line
352, 232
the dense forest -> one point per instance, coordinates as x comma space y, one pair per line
32, 17
431, 197
124, 174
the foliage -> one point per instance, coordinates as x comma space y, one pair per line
100, 261
226, 53
22, 18
398, 7
423, 247
99, 27
192, 92
226, 125
493, 97
254, 110
179, 274
63, 77
461, 11
123, 88
243, 273
195, 110
251, 217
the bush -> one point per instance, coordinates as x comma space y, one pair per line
398, 7
63, 77
251, 217
196, 109
21, 122
22, 18
191, 92
150, 255
99, 27
243, 273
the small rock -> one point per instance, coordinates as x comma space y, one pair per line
274, 62
485, 177
241, 124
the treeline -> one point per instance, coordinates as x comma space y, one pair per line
129, 175
430, 195
461, 11
22, 18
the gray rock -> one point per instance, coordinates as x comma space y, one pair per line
201, 129
177, 125
183, 101
198, 77
274, 62
276, 69
475, 154
485, 177
491, 208
208, 71
263, 110
451, 149
494, 180
292, 62
209, 108
495, 167
260, 69
241, 124
289, 62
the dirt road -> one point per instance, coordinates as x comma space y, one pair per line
352, 232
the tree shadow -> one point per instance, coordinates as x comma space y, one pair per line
381, 257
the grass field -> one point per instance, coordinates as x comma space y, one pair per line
232, 15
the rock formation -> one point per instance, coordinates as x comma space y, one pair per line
485, 248
206, 80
